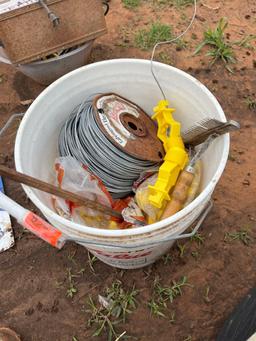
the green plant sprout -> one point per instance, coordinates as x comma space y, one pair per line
198, 238
246, 42
131, 3
164, 294
72, 290
220, 49
167, 258
241, 235
112, 310
146, 39
91, 260
181, 249
182, 3
176, 3
195, 254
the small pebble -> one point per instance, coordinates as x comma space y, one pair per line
246, 182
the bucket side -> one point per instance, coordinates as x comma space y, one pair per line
47, 71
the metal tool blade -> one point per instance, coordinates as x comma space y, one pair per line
200, 131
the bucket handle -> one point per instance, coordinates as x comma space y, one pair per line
200, 220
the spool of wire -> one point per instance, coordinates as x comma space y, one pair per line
82, 138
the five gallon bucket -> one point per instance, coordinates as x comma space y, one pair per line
36, 150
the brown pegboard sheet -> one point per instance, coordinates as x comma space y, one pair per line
27, 33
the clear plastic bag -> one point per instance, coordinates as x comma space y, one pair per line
142, 199
71, 175
142, 194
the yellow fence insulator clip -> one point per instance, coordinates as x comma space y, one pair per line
175, 159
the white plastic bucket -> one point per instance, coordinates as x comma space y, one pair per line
36, 149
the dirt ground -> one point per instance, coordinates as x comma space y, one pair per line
33, 275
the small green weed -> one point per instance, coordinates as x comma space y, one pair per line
162, 2
131, 3
181, 249
246, 42
146, 39
122, 300
198, 238
164, 294
195, 254
169, 293
251, 103
156, 308
91, 260
72, 290
176, 3
181, 44
182, 3
167, 259
71, 257
220, 49
101, 317
164, 57
241, 235
112, 310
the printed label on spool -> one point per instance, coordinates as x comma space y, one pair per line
114, 107
111, 131
128, 127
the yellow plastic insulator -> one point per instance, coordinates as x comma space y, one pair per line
175, 159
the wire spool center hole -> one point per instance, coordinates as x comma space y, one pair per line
133, 124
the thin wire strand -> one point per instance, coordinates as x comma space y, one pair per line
169, 42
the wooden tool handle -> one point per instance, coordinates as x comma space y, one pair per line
179, 194
49, 188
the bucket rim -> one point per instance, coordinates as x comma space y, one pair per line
66, 55
93, 231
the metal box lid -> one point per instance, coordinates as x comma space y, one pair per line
27, 34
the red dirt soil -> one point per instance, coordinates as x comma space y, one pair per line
33, 275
